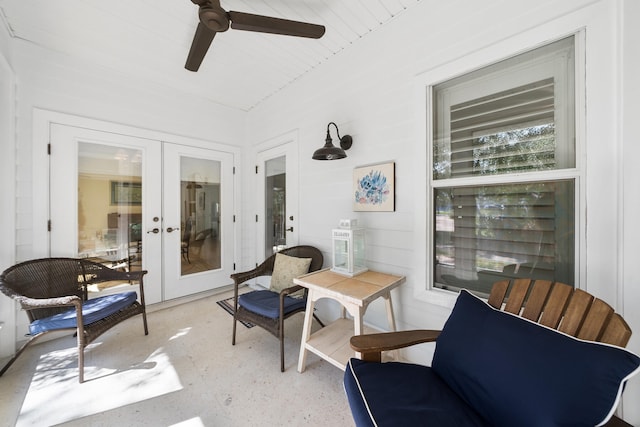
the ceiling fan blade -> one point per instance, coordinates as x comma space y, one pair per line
201, 41
266, 24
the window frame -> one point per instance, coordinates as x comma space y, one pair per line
424, 85
548, 62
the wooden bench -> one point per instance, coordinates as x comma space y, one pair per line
555, 305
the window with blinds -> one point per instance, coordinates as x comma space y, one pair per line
494, 125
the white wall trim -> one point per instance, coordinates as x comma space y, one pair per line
620, 171
8, 187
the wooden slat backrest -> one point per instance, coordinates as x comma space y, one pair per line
537, 299
498, 294
617, 331
556, 305
517, 295
559, 306
596, 320
576, 312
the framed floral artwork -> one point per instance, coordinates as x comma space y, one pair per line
374, 188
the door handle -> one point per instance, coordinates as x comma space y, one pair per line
170, 229
154, 231
289, 229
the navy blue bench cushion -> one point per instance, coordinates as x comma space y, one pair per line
267, 303
92, 311
517, 372
403, 394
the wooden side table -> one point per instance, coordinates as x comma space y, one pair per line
354, 294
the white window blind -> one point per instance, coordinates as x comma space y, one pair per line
485, 233
506, 132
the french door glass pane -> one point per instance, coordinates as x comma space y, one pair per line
488, 233
200, 207
110, 205
275, 204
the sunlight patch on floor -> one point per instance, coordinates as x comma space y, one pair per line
182, 332
193, 422
57, 375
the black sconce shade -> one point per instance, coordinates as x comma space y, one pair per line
330, 151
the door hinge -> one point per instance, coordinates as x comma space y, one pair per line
256, 169
234, 218
256, 218
234, 266
49, 149
48, 225
234, 170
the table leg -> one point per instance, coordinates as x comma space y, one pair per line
306, 331
392, 321
358, 314
390, 317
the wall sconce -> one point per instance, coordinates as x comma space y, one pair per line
331, 152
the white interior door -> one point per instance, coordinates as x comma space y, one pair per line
105, 200
277, 201
198, 219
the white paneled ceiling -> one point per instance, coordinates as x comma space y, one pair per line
150, 40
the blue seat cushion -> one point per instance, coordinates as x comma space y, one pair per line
92, 311
267, 303
403, 394
515, 372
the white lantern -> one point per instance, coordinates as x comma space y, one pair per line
348, 250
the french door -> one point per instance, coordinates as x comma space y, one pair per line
198, 218
128, 202
277, 198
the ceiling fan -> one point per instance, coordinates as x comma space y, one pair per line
214, 19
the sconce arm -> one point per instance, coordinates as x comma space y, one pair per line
345, 141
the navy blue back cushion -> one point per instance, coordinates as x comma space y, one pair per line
516, 372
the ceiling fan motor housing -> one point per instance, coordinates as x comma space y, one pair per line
214, 19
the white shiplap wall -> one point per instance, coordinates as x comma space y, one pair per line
629, 172
7, 191
374, 92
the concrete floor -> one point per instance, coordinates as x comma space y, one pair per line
185, 372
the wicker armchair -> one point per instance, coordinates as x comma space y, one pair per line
53, 292
288, 306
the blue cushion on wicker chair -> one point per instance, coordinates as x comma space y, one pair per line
267, 303
92, 311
